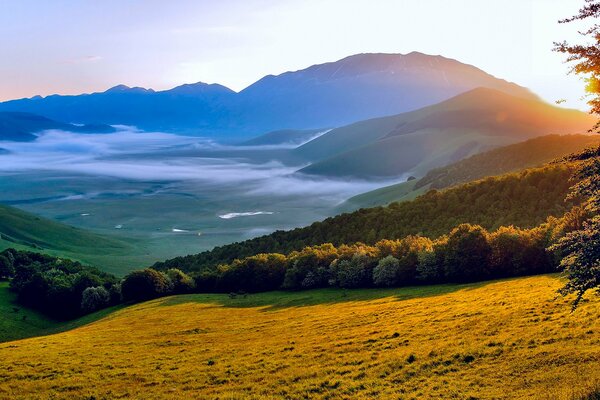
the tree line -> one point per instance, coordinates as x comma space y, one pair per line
66, 289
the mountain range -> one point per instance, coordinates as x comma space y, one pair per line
333, 94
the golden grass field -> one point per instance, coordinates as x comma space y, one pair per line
496, 340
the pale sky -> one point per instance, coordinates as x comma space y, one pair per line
80, 46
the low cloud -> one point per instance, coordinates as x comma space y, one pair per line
132, 155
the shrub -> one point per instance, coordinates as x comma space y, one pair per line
181, 282
315, 260
94, 298
430, 268
386, 272
7, 269
144, 285
467, 254
354, 273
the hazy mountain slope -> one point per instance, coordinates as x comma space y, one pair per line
19, 126
435, 136
331, 94
283, 137
522, 199
531, 153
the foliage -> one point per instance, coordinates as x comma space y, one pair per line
94, 298
144, 285
585, 57
386, 272
180, 281
467, 254
53, 285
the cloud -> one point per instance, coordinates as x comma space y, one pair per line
154, 156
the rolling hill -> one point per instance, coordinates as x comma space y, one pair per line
22, 230
511, 158
283, 137
21, 127
325, 95
492, 340
435, 136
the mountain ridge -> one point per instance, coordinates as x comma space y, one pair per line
354, 88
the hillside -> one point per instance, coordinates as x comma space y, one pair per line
22, 230
20, 127
435, 136
325, 95
495, 340
523, 199
531, 153
283, 137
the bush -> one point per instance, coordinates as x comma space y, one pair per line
467, 254
386, 272
144, 285
7, 269
94, 298
430, 268
181, 282
315, 260
354, 273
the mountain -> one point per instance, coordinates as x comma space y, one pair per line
435, 136
284, 137
331, 94
523, 199
21, 127
515, 157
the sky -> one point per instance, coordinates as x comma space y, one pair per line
81, 46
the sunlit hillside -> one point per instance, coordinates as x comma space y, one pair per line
493, 340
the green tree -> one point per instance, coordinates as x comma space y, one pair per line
580, 249
386, 272
7, 268
144, 285
467, 254
94, 298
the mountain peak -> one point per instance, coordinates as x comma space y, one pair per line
126, 89
200, 88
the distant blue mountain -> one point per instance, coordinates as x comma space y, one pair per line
332, 94
21, 127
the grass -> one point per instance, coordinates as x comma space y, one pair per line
17, 322
496, 340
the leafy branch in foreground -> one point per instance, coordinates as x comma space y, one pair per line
586, 56
580, 249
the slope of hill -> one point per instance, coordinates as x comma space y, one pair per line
20, 126
283, 137
418, 141
531, 153
22, 230
331, 94
523, 199
494, 340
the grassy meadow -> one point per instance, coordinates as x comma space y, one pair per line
492, 340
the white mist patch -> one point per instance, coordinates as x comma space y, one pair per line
244, 214
175, 230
